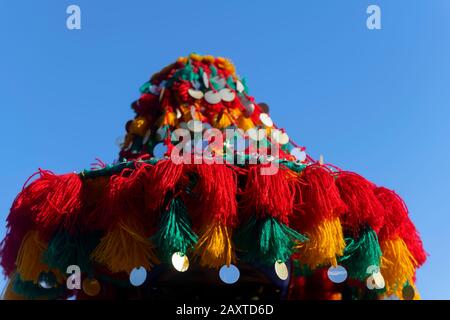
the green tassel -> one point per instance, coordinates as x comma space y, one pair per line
65, 250
30, 290
275, 242
175, 233
361, 253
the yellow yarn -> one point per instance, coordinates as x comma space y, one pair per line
215, 248
326, 242
245, 123
29, 259
397, 265
168, 119
125, 247
224, 121
139, 126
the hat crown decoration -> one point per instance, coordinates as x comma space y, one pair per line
323, 232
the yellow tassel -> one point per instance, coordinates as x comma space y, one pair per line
125, 247
397, 265
9, 294
326, 243
215, 248
245, 123
139, 126
223, 122
195, 57
168, 119
29, 259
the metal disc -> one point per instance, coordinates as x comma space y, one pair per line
47, 280
138, 276
196, 94
227, 95
159, 150
408, 292
299, 154
378, 280
91, 287
205, 79
229, 274
239, 86
264, 107
180, 261
337, 274
212, 97
281, 270
266, 120
256, 134
195, 125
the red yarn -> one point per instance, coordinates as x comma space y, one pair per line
214, 194
62, 201
395, 212
317, 197
125, 193
410, 235
160, 180
148, 104
363, 206
268, 195
182, 89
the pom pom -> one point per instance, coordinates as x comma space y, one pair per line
363, 206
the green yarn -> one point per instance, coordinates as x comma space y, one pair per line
31, 290
231, 83
293, 166
267, 240
145, 87
361, 253
65, 250
175, 233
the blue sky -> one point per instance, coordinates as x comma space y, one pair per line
371, 101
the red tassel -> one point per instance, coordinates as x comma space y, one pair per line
62, 201
162, 179
363, 206
268, 195
317, 198
410, 236
395, 212
21, 218
214, 195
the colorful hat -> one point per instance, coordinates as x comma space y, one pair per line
208, 188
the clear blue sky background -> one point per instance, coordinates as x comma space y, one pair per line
375, 102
